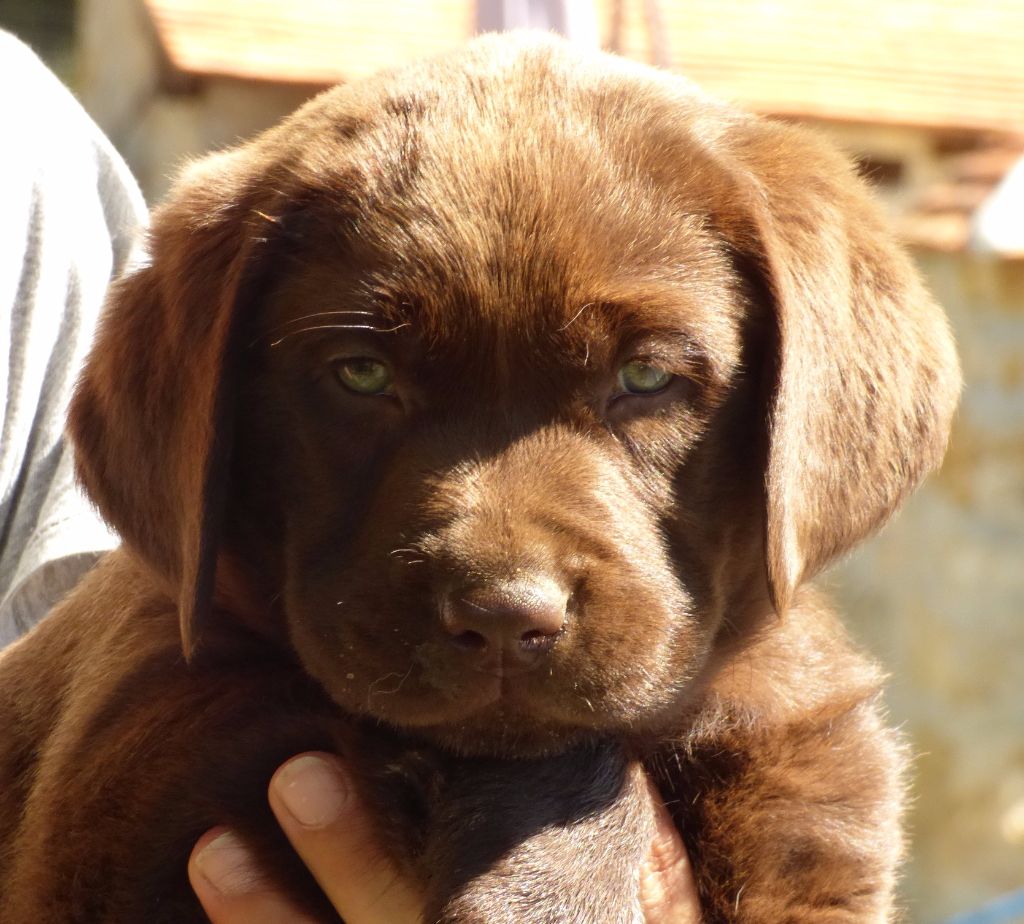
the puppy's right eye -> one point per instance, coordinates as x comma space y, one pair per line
364, 375
641, 378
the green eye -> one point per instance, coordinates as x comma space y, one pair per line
640, 378
364, 376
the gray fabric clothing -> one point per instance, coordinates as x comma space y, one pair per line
70, 216
575, 19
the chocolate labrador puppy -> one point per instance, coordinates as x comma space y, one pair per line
485, 421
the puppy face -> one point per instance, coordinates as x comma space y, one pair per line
495, 450
516, 379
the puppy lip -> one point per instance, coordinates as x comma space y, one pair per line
514, 660
503, 668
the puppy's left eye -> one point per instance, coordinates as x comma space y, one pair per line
640, 378
364, 375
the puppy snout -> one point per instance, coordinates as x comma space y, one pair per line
517, 620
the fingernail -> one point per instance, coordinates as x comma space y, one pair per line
313, 790
227, 866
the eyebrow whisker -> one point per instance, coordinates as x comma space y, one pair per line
571, 320
307, 317
324, 314
305, 330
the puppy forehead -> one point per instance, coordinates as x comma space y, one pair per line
512, 199
475, 285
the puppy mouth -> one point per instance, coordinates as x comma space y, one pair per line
495, 706
503, 668
499, 675
441, 697
516, 674
500, 718
504, 683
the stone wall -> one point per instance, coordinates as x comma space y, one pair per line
939, 597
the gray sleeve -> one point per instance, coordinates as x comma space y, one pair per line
72, 215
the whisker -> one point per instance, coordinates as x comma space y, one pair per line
571, 320
371, 692
307, 317
324, 314
306, 330
401, 553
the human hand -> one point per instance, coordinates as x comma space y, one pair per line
668, 891
336, 838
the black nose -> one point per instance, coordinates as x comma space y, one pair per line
517, 618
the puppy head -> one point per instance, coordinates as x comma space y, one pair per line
506, 382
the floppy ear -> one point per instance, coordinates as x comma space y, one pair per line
152, 416
867, 377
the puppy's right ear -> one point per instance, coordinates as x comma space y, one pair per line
152, 417
866, 374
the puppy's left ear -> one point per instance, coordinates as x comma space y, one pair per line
866, 374
153, 414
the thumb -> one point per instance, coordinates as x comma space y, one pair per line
668, 889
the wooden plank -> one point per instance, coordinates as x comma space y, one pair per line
932, 63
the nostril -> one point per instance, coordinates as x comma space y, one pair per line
470, 641
523, 617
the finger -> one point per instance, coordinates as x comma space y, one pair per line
333, 833
230, 887
668, 889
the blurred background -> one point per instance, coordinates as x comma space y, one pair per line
928, 96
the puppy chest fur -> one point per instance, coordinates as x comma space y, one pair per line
525, 391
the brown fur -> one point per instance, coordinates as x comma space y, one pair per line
517, 221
